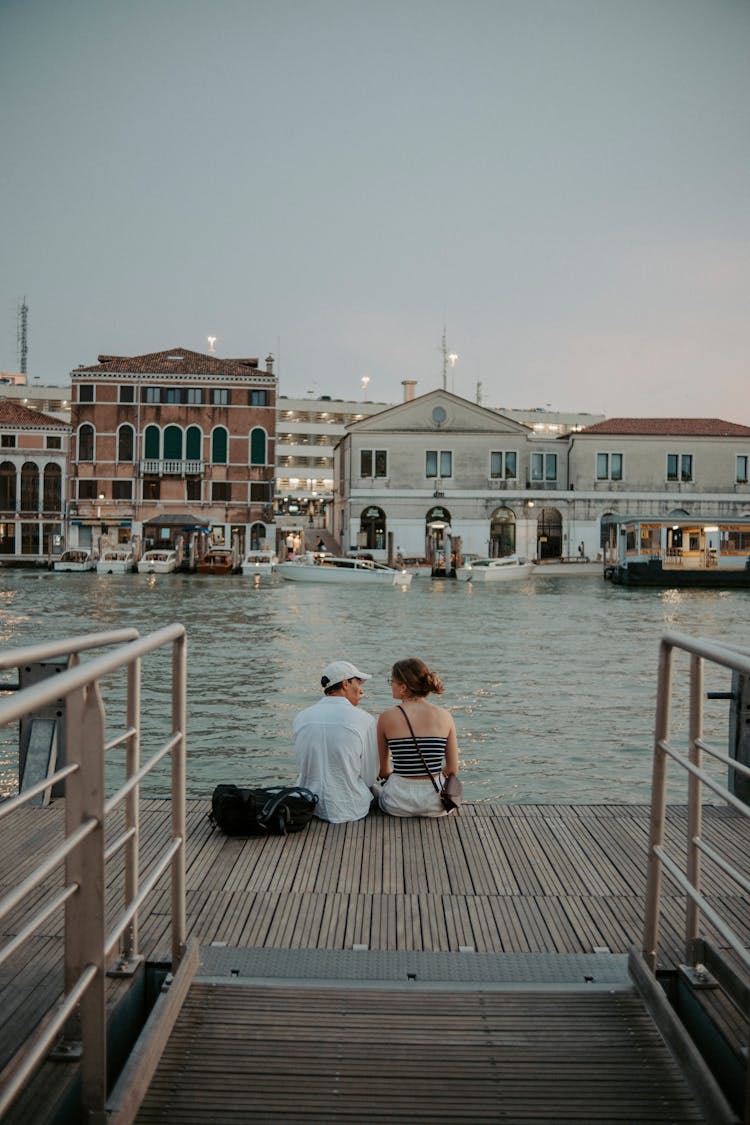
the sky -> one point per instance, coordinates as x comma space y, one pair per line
561, 186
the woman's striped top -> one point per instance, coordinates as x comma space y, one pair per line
406, 760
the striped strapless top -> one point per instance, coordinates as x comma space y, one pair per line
406, 760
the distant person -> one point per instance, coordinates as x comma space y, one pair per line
336, 746
321, 545
408, 789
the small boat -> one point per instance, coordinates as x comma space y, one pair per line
158, 562
219, 560
115, 561
76, 560
347, 571
496, 570
259, 562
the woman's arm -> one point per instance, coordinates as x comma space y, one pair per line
451, 749
384, 753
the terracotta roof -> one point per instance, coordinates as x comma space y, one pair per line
669, 427
13, 414
178, 361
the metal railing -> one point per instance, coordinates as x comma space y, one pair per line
89, 949
689, 880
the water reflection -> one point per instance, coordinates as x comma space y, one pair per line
551, 682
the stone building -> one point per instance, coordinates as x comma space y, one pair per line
173, 445
33, 483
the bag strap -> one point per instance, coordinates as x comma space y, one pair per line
419, 749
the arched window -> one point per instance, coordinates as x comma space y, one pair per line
372, 529
52, 497
7, 487
437, 523
86, 442
29, 487
194, 443
125, 443
219, 445
502, 533
549, 534
258, 446
151, 443
173, 443
257, 536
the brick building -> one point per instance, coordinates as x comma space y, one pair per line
173, 445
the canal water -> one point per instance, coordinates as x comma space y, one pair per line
551, 681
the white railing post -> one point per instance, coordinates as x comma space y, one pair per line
179, 724
658, 806
695, 816
130, 938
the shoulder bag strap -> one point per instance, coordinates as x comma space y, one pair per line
419, 751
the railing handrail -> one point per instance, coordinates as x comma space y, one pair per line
737, 659
88, 947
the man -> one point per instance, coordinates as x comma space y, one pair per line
336, 746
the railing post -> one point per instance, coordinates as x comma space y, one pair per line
179, 723
694, 826
84, 929
658, 806
130, 938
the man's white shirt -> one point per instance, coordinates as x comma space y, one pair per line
337, 757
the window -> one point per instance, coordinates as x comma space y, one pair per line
7, 487
193, 396
29, 487
373, 463
680, 466
127, 393
258, 446
221, 491
260, 492
171, 395
52, 494
372, 528
173, 443
87, 490
438, 464
152, 488
8, 441
219, 444
85, 392
122, 490
151, 394
544, 467
742, 461
86, 443
125, 443
53, 441
151, 443
609, 466
258, 398
193, 488
220, 396
503, 466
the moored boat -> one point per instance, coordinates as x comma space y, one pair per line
158, 562
115, 561
347, 571
76, 560
219, 560
681, 551
259, 562
507, 569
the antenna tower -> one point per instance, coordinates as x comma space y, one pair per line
21, 336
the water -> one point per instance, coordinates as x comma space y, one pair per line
551, 682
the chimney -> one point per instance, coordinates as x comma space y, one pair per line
409, 392
269, 364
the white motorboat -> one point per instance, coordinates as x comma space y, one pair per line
328, 568
496, 570
76, 560
259, 562
113, 561
158, 562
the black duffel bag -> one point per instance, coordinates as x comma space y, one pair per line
261, 812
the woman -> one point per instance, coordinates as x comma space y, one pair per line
408, 788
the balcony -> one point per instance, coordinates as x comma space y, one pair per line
157, 468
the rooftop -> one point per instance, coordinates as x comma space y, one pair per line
669, 427
173, 361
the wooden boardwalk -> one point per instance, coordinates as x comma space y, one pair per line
496, 879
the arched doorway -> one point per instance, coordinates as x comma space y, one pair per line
437, 530
372, 529
549, 534
502, 533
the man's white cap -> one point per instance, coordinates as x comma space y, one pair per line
339, 671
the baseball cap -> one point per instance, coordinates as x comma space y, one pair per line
339, 671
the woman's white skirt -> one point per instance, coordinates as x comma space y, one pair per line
410, 796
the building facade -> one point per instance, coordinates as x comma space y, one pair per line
417, 476
34, 449
171, 445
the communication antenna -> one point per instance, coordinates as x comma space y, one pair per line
22, 336
449, 360
479, 393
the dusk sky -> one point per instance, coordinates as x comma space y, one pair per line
564, 184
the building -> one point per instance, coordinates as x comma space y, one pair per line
435, 468
174, 447
34, 449
47, 398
